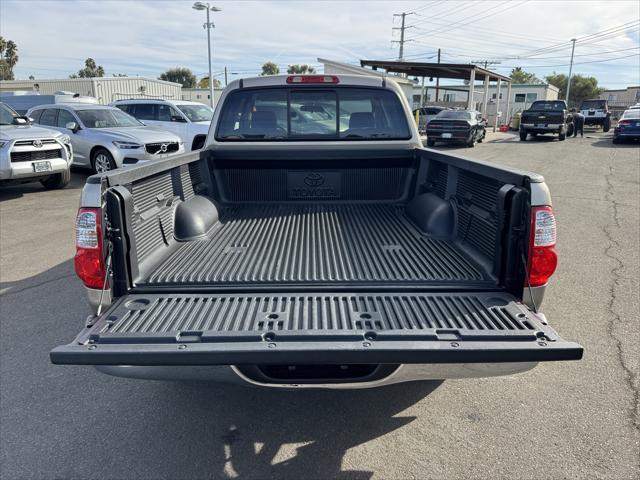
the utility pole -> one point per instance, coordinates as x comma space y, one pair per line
402, 28
438, 80
573, 48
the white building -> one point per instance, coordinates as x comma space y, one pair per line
200, 95
522, 95
105, 89
339, 68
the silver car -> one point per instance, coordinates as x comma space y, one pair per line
105, 138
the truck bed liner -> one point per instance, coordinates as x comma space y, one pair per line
315, 244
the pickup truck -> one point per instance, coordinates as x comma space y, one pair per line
546, 116
314, 242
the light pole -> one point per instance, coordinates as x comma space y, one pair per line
209, 25
573, 47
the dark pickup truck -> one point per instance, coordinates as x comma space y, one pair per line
314, 243
546, 116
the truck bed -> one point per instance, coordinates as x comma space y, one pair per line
316, 244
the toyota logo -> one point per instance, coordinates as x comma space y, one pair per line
314, 180
163, 148
37, 143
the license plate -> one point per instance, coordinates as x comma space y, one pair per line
637, 124
41, 166
445, 135
540, 125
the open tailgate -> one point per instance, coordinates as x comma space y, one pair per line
313, 328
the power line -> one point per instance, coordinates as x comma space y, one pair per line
402, 28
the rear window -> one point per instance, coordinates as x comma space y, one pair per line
312, 114
631, 114
593, 104
455, 115
548, 105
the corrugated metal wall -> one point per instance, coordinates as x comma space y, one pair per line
109, 90
106, 90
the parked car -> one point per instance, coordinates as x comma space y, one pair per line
189, 120
596, 112
348, 259
105, 138
628, 127
22, 101
634, 107
425, 115
32, 154
546, 116
457, 126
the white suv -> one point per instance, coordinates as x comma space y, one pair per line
189, 120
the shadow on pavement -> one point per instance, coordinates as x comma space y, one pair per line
607, 143
9, 192
57, 419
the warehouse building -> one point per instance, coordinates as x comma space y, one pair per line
104, 89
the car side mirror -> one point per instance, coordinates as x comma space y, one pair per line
73, 126
20, 120
178, 118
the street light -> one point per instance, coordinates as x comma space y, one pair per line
208, 25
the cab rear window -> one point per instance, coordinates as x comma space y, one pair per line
312, 114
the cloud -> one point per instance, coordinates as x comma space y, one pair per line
147, 37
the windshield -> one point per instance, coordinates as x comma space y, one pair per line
454, 114
548, 105
197, 113
106, 118
312, 114
592, 104
7, 114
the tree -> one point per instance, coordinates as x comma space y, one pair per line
180, 75
300, 69
582, 87
8, 58
90, 70
519, 76
270, 68
204, 83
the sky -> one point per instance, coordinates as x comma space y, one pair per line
147, 37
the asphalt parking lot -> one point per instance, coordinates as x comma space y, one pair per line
561, 420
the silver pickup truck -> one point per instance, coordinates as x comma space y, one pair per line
312, 243
32, 154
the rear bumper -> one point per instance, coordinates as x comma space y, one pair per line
549, 128
234, 375
594, 120
456, 136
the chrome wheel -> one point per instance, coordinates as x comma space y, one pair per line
102, 163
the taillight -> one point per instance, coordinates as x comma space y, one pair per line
543, 259
312, 79
89, 260
624, 122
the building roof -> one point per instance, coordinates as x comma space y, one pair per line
364, 71
101, 79
443, 70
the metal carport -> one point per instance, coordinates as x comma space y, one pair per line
457, 71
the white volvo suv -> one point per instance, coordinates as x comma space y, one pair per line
189, 120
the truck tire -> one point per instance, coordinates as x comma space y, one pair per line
472, 142
59, 180
606, 126
562, 136
523, 135
431, 142
102, 161
569, 129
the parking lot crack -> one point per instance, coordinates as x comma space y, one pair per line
616, 273
36, 285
